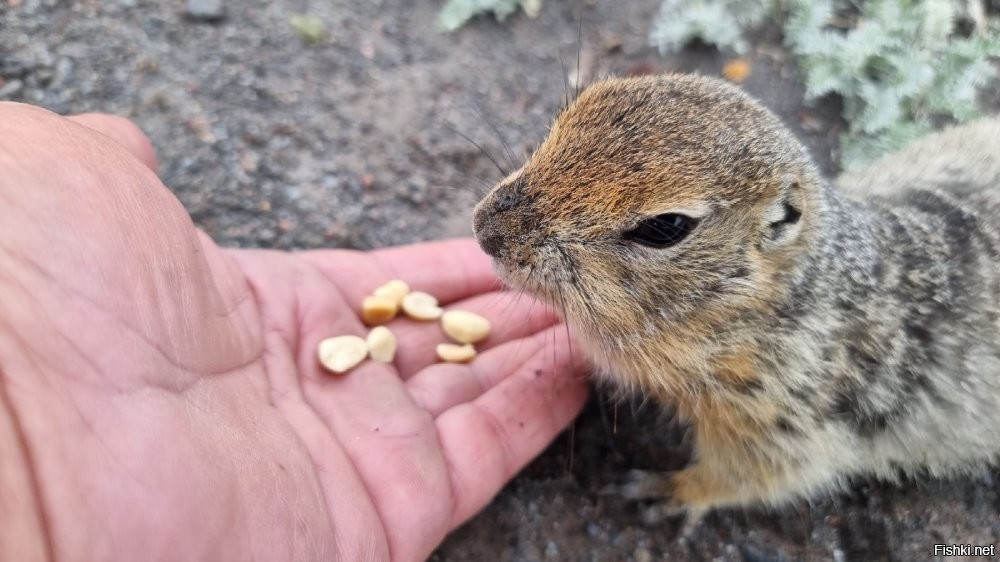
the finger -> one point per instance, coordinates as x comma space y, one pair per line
512, 316
122, 131
393, 446
448, 269
487, 441
440, 387
74, 196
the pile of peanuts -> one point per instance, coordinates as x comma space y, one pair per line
340, 354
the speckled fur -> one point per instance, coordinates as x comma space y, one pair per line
863, 338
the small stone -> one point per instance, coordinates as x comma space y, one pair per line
11, 89
642, 554
330, 181
63, 71
266, 234
249, 162
594, 531
336, 232
753, 553
367, 50
44, 76
205, 10
202, 129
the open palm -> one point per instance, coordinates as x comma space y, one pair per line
162, 395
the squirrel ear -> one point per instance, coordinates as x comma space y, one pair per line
782, 223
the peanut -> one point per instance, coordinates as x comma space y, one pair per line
378, 310
453, 353
381, 344
465, 327
421, 306
342, 353
394, 290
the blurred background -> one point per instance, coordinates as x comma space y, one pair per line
298, 124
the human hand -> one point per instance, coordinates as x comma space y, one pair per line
161, 397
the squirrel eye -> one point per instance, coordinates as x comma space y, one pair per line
662, 231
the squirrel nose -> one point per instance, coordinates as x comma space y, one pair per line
491, 244
489, 224
484, 227
508, 199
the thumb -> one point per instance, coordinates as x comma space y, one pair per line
122, 131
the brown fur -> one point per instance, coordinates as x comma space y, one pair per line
806, 336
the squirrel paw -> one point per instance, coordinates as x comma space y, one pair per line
660, 487
641, 485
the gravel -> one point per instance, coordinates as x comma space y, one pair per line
356, 141
204, 10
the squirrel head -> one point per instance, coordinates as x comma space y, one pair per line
655, 205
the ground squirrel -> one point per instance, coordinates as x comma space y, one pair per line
807, 333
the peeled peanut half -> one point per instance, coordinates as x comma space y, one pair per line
464, 326
342, 353
381, 344
453, 353
421, 306
395, 290
378, 310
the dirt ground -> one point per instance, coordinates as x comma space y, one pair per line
356, 142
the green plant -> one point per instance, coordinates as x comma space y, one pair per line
455, 13
714, 22
899, 65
